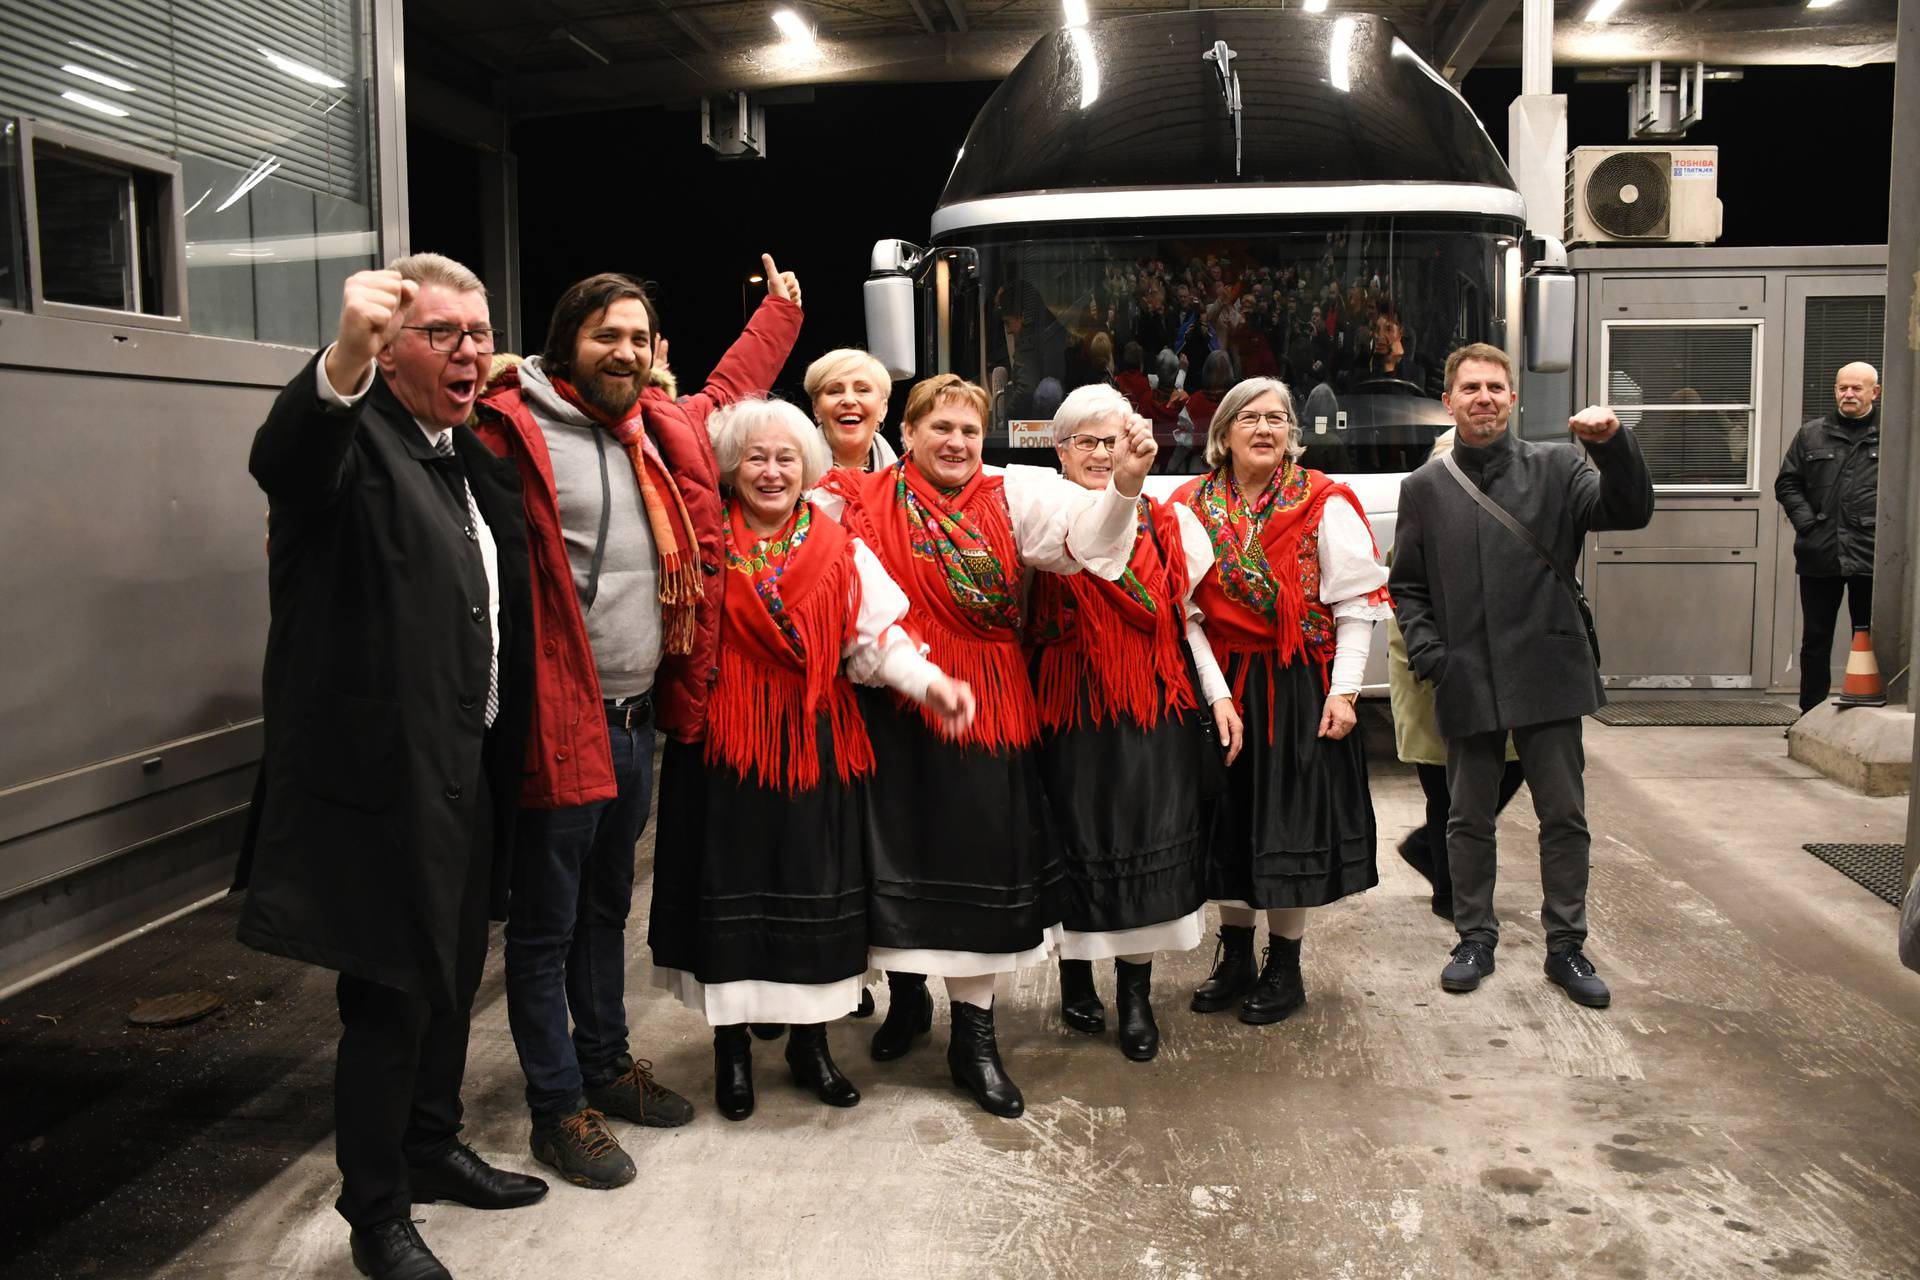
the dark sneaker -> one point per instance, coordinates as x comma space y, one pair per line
1572, 970
1471, 962
581, 1149
634, 1095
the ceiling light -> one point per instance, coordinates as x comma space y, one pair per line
1822, 4
1340, 53
1089, 66
88, 73
1602, 10
301, 71
92, 103
98, 52
793, 27
1076, 11
1315, 6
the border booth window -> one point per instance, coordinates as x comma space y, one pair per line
181, 165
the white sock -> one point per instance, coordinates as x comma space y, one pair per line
976, 991
1287, 922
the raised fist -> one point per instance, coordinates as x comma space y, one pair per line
1133, 456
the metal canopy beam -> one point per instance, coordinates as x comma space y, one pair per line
957, 10
1469, 34
926, 19
692, 28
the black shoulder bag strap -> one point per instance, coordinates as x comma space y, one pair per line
1520, 531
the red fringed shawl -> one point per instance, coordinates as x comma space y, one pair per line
1262, 596
1119, 641
787, 612
955, 556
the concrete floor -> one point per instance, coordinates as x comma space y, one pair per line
1747, 1107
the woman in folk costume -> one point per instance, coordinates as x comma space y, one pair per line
965, 876
1290, 604
849, 390
759, 900
1120, 751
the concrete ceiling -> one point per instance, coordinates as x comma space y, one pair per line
550, 57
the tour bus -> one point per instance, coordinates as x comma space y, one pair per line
1255, 191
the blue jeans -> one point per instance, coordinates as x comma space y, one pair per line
566, 933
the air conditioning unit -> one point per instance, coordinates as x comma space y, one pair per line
1643, 195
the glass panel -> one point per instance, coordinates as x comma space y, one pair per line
1839, 331
265, 106
1695, 386
1357, 316
13, 280
86, 234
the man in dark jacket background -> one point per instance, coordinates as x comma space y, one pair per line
1492, 626
1829, 484
397, 683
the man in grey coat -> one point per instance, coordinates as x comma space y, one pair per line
1499, 634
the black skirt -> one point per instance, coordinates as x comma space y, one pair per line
1126, 803
961, 850
753, 884
1295, 828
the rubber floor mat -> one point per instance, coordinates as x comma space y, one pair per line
1697, 711
1874, 867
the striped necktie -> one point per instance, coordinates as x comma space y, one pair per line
444, 447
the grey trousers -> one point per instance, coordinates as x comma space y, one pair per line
1554, 762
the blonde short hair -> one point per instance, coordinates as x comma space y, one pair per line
437, 268
945, 388
1243, 394
733, 427
1095, 402
845, 362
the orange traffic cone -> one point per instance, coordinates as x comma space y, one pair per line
1862, 687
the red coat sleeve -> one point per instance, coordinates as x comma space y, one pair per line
751, 363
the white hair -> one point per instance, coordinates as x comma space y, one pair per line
846, 362
1243, 394
732, 428
1084, 406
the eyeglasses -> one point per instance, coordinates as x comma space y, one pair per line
1087, 444
446, 337
1253, 418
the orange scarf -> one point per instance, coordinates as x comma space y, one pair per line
788, 609
673, 533
1118, 641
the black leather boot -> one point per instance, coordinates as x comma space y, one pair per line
393, 1250
1080, 1006
767, 1030
866, 1004
973, 1055
733, 1072
1280, 990
909, 1016
1132, 989
813, 1067
1233, 971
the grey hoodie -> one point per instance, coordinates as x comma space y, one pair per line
623, 622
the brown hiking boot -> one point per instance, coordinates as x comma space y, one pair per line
635, 1095
581, 1149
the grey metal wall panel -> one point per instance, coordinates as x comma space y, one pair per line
1677, 528
1658, 619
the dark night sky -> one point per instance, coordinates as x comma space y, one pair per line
636, 191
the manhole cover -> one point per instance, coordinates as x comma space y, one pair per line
1697, 711
1875, 867
174, 1010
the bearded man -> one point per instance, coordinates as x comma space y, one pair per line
623, 515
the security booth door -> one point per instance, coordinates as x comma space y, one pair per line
1832, 320
1683, 360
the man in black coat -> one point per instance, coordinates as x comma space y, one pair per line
1490, 624
397, 685
1829, 483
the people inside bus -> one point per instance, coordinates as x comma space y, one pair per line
1388, 368
965, 873
1505, 641
1290, 603
759, 903
624, 513
1120, 747
848, 388
1164, 408
1131, 380
383, 837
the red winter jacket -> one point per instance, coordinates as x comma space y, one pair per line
569, 760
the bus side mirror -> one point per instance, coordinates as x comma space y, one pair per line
1547, 302
891, 301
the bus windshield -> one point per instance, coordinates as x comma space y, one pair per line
1357, 316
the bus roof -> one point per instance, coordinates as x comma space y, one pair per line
1133, 102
